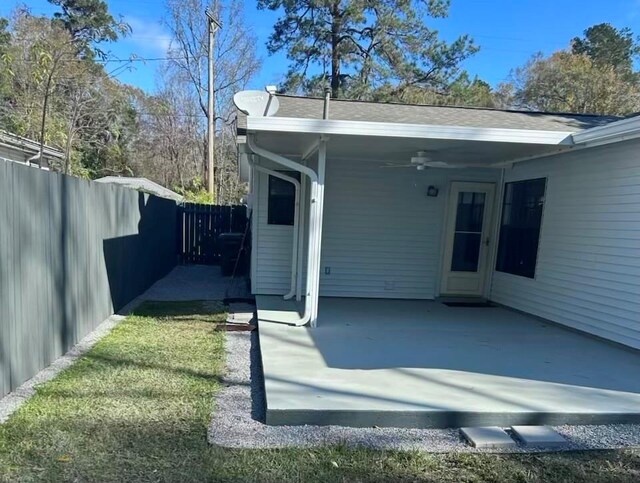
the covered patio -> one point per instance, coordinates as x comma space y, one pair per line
412, 363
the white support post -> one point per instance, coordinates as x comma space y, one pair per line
319, 197
310, 295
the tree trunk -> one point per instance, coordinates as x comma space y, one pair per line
43, 120
67, 153
335, 55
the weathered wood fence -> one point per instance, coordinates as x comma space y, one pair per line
199, 227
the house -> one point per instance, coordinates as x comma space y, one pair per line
446, 265
22, 150
143, 184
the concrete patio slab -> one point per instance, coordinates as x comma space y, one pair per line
238, 420
425, 365
487, 437
538, 436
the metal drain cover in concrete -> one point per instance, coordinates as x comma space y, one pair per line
487, 437
538, 436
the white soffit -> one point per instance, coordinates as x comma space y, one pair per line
396, 130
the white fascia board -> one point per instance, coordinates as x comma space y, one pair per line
609, 133
397, 130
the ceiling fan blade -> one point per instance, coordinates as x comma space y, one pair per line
398, 166
443, 164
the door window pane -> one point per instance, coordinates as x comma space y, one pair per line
466, 252
470, 211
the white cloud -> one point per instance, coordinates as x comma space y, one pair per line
149, 35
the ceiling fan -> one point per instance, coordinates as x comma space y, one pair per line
422, 161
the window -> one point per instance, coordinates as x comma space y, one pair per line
468, 232
282, 199
520, 227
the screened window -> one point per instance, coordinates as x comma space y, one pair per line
520, 227
282, 199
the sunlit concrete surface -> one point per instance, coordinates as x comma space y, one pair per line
373, 362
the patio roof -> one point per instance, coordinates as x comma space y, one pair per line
393, 133
384, 112
397, 143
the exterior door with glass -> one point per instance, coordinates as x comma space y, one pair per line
467, 239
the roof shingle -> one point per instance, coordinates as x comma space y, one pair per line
347, 110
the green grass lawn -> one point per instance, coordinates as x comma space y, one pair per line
136, 408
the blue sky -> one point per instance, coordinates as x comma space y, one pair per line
507, 31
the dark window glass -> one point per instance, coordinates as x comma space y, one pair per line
282, 199
466, 252
520, 227
468, 232
470, 211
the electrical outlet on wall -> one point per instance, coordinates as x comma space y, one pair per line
327, 270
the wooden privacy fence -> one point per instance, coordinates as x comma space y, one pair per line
72, 252
199, 227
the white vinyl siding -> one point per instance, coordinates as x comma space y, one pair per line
588, 267
381, 233
272, 245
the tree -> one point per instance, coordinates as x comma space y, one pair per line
608, 46
235, 58
358, 46
89, 22
235, 63
574, 83
170, 136
55, 96
100, 125
463, 91
5, 36
54, 90
37, 52
5, 72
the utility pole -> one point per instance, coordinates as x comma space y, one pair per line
214, 25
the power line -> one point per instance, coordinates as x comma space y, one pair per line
167, 114
109, 61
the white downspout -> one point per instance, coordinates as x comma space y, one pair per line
296, 216
301, 223
310, 303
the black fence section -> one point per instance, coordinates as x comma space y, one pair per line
199, 228
72, 252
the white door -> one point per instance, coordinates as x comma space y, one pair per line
467, 239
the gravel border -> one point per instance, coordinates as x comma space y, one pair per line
14, 400
183, 283
238, 420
